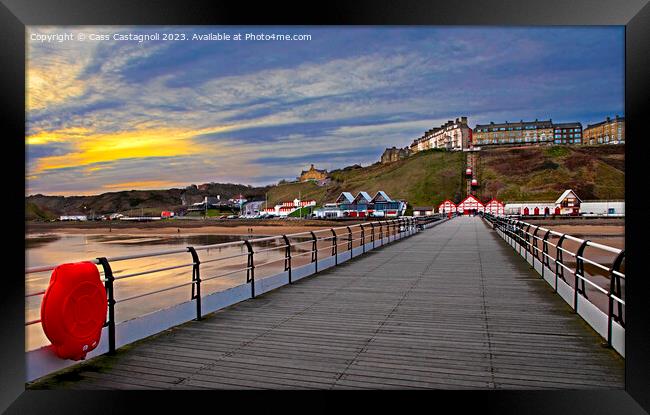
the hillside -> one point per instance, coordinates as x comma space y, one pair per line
41, 207
421, 179
424, 179
542, 173
522, 173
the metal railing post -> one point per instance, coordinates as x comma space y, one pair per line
381, 233
250, 269
110, 293
287, 256
372, 234
559, 269
614, 289
580, 269
335, 248
363, 239
314, 251
545, 260
350, 240
196, 279
535, 247
528, 246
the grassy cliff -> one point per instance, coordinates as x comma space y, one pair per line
543, 173
524, 173
422, 179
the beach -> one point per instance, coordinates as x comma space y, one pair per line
176, 227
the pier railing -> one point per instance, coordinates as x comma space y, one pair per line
316, 249
589, 276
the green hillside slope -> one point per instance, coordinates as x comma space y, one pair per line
422, 179
543, 173
524, 173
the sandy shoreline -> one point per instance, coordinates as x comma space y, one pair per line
180, 228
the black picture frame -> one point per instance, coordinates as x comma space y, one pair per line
635, 15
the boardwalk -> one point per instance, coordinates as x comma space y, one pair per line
452, 307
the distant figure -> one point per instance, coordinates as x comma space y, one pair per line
178, 230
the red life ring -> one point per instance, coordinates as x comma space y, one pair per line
73, 309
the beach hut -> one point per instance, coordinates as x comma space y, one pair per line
471, 205
569, 203
447, 207
495, 207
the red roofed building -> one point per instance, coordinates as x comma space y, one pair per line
470, 205
447, 206
495, 207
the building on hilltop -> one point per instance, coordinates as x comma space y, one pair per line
313, 174
567, 133
394, 154
517, 133
453, 135
610, 131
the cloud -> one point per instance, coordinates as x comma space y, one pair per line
105, 114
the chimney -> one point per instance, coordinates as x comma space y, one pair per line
608, 119
463, 120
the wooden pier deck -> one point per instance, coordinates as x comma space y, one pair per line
451, 308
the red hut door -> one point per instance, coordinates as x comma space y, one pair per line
546, 210
526, 211
557, 210
536, 211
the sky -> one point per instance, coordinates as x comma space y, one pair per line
110, 115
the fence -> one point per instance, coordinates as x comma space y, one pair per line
298, 255
597, 287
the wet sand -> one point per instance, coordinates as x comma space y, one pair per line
180, 227
607, 231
